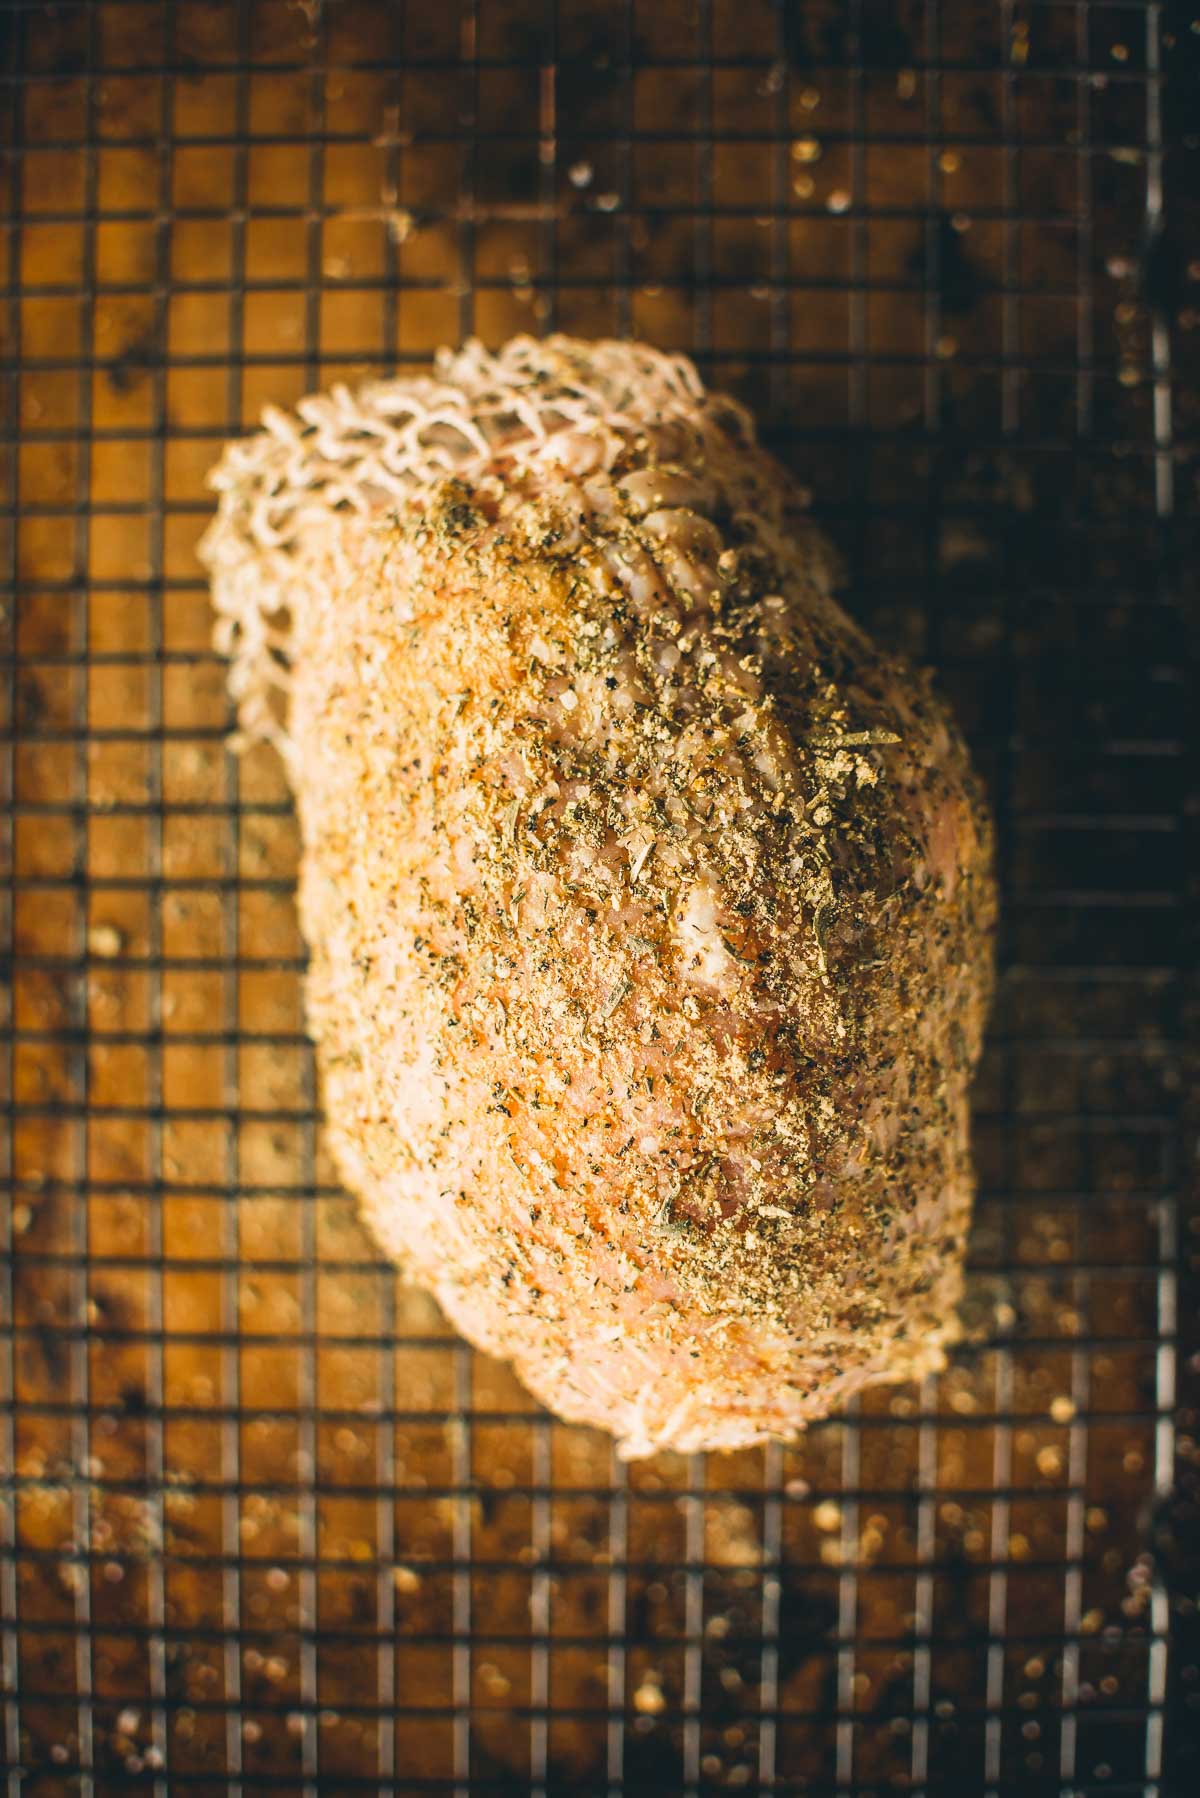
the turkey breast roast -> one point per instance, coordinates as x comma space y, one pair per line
649, 905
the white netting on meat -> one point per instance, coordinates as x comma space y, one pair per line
287, 493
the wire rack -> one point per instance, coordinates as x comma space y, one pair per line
266, 1524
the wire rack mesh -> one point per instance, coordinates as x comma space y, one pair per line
266, 1523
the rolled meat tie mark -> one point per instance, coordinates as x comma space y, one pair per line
650, 906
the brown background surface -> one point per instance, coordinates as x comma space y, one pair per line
265, 1521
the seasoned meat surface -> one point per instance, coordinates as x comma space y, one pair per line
649, 905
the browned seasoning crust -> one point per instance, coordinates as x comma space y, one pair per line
650, 912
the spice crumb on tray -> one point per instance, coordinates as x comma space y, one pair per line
649, 905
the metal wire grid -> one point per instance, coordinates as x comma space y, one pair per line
267, 1525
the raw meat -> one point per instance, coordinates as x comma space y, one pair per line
649, 905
